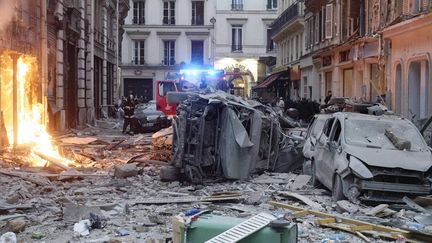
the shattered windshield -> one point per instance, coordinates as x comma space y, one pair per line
371, 133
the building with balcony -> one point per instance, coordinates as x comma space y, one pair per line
243, 45
82, 78
161, 35
407, 53
287, 32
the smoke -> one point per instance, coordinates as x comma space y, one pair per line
7, 9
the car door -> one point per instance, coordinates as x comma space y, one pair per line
321, 152
332, 149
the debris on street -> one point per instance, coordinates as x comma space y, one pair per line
114, 191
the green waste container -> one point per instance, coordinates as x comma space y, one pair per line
207, 226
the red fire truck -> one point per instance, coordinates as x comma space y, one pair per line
189, 80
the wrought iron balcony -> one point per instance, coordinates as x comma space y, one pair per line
314, 5
237, 6
197, 20
236, 47
290, 14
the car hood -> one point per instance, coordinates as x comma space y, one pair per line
417, 161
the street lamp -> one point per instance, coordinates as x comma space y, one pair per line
213, 21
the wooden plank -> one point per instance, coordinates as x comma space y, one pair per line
413, 236
343, 219
307, 201
52, 160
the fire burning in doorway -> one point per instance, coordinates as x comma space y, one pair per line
22, 112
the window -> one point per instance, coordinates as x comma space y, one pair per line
165, 87
329, 21
198, 13
272, 4
337, 131
169, 12
139, 12
297, 49
197, 52
236, 43
270, 43
169, 53
139, 52
237, 5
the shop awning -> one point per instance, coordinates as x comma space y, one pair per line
267, 81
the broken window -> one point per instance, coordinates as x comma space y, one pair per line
337, 131
371, 133
328, 126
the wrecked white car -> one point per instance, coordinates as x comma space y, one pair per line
371, 158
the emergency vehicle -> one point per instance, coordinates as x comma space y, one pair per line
192, 79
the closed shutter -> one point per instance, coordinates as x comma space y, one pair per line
316, 28
426, 5
406, 7
329, 21
52, 36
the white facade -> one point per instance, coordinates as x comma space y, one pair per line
242, 38
148, 29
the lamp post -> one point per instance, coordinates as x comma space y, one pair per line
213, 21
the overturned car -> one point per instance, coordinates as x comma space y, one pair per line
220, 135
371, 158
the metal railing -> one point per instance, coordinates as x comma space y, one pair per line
168, 20
168, 62
286, 17
197, 20
237, 6
138, 20
236, 48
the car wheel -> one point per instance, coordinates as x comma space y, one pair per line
337, 190
314, 179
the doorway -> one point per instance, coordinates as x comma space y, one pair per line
348, 82
71, 86
414, 79
398, 89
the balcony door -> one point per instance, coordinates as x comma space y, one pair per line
197, 49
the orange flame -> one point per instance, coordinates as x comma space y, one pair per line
31, 130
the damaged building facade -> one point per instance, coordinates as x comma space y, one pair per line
83, 55
358, 49
66, 54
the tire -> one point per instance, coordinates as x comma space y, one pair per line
169, 173
337, 189
314, 179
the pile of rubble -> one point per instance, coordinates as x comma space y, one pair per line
115, 194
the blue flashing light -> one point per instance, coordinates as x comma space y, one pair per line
211, 73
